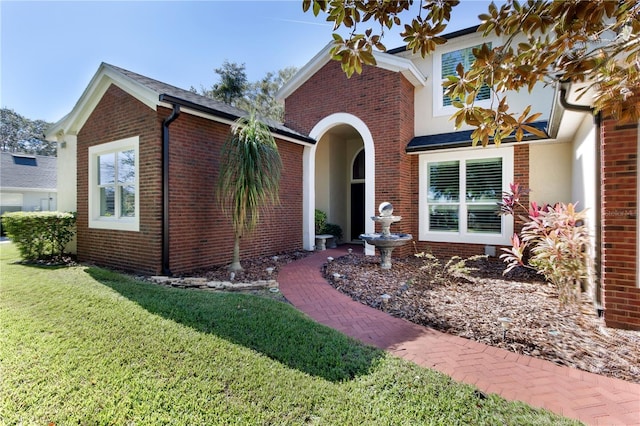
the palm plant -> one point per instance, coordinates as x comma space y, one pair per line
250, 168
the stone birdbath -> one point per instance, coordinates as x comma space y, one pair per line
386, 241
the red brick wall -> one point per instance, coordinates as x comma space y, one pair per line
384, 100
200, 234
119, 116
621, 295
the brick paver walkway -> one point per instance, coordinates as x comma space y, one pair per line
573, 393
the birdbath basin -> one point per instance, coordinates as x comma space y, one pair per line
386, 241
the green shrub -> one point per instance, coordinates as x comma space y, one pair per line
321, 220
332, 229
39, 235
322, 227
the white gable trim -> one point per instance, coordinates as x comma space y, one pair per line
101, 81
383, 60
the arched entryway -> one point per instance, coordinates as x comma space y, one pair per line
339, 176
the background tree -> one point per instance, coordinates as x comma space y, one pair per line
232, 86
259, 96
596, 42
249, 180
20, 134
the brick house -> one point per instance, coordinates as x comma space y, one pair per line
347, 146
385, 135
138, 162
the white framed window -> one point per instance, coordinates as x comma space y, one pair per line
444, 65
114, 201
459, 196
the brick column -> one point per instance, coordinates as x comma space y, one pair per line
621, 294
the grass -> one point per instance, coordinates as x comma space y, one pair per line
90, 346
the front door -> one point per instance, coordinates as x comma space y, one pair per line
357, 210
357, 196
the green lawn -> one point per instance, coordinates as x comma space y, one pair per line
90, 346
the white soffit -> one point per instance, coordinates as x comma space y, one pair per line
384, 60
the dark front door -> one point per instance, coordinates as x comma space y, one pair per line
357, 210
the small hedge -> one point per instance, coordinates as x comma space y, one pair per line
39, 235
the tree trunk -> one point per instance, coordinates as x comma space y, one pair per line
235, 262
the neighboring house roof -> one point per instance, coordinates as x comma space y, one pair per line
463, 139
153, 93
27, 172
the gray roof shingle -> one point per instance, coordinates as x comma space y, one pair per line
28, 171
183, 97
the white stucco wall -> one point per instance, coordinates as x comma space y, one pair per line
429, 121
67, 179
584, 179
67, 174
334, 156
323, 167
550, 172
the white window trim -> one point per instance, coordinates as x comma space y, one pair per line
438, 108
101, 222
506, 153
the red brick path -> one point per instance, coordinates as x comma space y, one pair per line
588, 397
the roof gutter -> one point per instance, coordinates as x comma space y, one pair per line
597, 121
165, 188
232, 117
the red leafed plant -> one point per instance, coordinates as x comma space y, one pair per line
556, 240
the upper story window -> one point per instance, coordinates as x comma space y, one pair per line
445, 65
459, 195
113, 185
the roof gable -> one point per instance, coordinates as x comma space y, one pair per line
152, 93
383, 60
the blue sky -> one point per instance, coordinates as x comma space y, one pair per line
51, 49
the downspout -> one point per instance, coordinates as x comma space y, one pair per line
165, 188
597, 121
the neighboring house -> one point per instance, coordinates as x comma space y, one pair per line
386, 135
27, 182
139, 162
348, 144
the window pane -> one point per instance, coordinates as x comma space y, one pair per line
358, 166
443, 218
484, 180
126, 166
106, 169
127, 201
484, 219
107, 201
444, 182
450, 61
484, 93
